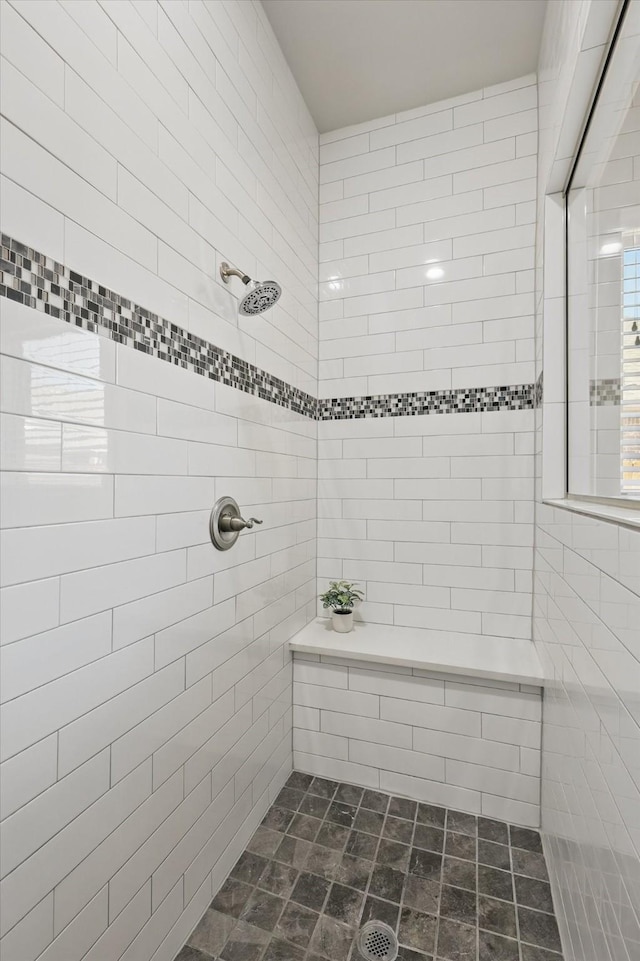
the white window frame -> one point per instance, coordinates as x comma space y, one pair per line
554, 444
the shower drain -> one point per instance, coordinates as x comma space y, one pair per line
377, 942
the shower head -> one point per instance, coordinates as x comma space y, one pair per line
259, 297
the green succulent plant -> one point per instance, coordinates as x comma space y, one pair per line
341, 596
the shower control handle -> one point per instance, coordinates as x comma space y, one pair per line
228, 523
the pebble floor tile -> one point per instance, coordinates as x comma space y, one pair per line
328, 857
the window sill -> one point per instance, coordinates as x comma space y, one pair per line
625, 516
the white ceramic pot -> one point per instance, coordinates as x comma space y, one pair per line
342, 622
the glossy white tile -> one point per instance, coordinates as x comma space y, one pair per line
28, 774
44, 657
100, 588
41, 552
112, 461
35, 823
44, 498
63, 699
28, 444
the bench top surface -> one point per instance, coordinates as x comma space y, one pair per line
474, 655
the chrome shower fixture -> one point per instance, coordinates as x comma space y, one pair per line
260, 296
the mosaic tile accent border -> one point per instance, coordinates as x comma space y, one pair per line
462, 401
606, 392
33, 279
38, 281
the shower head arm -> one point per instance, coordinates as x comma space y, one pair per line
259, 297
226, 271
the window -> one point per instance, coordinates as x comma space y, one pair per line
603, 271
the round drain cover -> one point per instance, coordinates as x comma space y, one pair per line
377, 942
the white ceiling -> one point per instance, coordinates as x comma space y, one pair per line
355, 60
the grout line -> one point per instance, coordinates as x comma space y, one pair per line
365, 892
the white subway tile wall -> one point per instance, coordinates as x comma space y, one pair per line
446, 740
424, 253
586, 585
146, 687
427, 253
432, 515
146, 690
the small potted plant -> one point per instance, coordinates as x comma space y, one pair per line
341, 597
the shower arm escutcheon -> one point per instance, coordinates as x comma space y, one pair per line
226, 523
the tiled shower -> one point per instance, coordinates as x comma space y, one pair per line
168, 788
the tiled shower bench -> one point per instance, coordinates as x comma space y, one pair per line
448, 719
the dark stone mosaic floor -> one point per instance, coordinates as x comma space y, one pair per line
328, 857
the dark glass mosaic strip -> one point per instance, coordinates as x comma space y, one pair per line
38, 281
606, 392
465, 400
